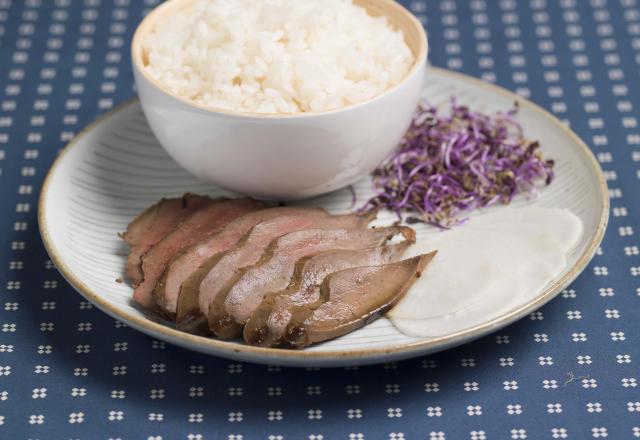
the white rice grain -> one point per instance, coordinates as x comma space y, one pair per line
276, 56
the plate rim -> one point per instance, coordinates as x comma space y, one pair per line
233, 349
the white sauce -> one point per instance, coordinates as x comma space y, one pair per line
493, 263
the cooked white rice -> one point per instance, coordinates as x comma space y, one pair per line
276, 56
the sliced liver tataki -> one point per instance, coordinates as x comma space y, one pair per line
285, 276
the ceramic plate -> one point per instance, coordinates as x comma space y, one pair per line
115, 168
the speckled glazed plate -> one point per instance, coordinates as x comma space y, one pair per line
115, 168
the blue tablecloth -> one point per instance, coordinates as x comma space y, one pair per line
570, 370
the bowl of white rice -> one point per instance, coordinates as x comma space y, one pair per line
279, 98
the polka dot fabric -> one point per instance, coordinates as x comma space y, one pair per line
570, 370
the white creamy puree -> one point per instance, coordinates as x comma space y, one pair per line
491, 264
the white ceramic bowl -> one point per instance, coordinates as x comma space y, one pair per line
282, 156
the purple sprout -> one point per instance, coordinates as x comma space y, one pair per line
447, 164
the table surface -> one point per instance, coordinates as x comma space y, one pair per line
570, 370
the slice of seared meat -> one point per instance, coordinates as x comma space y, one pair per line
355, 297
268, 324
212, 281
189, 316
275, 272
168, 287
198, 226
153, 224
